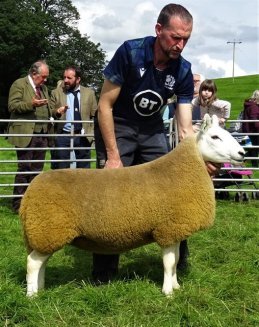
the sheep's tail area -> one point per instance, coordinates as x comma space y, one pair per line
36, 228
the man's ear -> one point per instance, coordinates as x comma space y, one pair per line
158, 29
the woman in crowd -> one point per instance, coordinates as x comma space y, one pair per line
251, 112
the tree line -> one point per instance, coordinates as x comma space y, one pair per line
45, 29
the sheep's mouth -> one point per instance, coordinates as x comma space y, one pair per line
237, 162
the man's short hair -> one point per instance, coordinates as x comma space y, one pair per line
173, 10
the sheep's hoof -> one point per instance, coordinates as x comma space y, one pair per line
176, 286
31, 293
167, 293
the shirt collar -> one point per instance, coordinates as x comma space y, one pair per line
31, 82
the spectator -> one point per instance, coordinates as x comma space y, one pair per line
207, 102
168, 110
251, 112
197, 80
29, 100
84, 108
139, 79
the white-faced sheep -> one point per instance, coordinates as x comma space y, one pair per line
115, 210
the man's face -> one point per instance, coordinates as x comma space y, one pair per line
196, 82
41, 78
70, 80
173, 38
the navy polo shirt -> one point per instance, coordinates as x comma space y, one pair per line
145, 89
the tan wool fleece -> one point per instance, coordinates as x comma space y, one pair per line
114, 210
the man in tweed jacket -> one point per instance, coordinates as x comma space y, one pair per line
29, 100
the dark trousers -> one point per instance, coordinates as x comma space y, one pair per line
39, 141
254, 152
64, 142
135, 147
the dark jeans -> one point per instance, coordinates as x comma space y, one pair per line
64, 142
254, 152
39, 141
135, 147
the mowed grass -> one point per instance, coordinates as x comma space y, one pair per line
219, 289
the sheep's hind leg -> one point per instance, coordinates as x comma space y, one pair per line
170, 259
36, 264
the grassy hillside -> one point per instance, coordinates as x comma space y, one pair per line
237, 91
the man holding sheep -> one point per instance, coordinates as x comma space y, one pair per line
139, 79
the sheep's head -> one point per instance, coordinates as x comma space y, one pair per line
216, 144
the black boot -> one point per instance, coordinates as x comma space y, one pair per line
183, 256
105, 268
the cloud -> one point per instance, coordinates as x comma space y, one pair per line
111, 28
213, 68
111, 22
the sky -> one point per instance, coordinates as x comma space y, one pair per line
111, 22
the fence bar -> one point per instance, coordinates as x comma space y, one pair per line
173, 140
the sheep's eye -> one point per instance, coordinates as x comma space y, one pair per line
215, 137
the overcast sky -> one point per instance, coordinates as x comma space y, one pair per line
110, 22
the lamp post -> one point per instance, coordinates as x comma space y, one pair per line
234, 49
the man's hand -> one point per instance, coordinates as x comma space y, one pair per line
39, 102
62, 110
111, 163
213, 168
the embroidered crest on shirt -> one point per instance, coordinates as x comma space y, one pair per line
169, 82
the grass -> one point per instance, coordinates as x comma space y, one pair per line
236, 91
219, 289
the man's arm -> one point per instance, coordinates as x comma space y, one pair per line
109, 94
184, 120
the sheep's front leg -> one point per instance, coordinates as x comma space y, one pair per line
36, 264
170, 259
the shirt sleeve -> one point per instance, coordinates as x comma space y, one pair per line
224, 106
185, 89
117, 69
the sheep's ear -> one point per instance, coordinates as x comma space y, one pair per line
206, 123
215, 120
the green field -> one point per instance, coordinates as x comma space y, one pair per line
219, 289
237, 91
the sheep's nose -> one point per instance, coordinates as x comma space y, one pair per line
242, 153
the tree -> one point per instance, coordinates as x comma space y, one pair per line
45, 29
80, 51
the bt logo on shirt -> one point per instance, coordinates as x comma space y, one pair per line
147, 102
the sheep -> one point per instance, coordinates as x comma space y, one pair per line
115, 210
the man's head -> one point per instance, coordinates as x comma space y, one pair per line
173, 29
39, 72
71, 78
255, 96
197, 80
